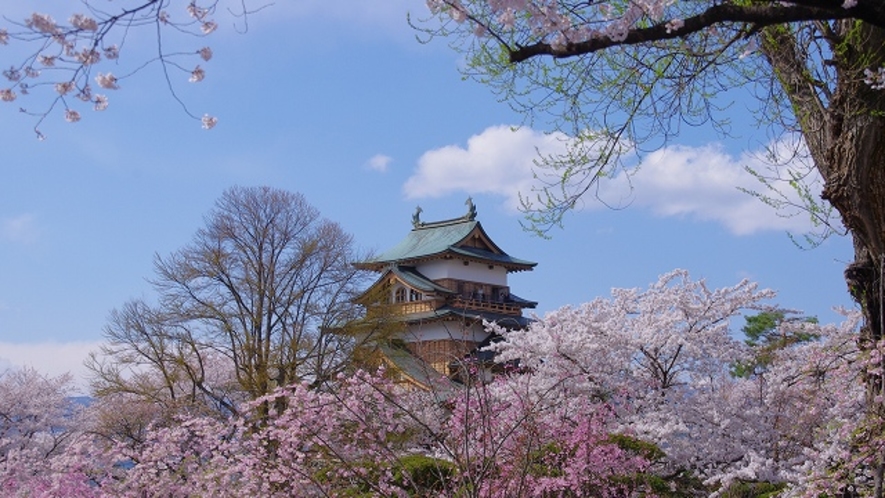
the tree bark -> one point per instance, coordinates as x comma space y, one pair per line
845, 133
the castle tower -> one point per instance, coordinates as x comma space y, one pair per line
442, 281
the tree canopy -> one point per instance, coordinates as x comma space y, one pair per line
258, 300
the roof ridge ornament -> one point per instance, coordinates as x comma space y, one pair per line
470, 216
471, 210
416, 218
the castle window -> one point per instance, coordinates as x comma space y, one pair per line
400, 295
415, 295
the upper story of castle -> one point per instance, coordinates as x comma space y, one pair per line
448, 264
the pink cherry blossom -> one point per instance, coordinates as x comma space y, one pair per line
42, 23
208, 27
112, 52
64, 88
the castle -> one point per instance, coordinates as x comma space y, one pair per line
440, 283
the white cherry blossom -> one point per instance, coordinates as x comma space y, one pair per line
209, 122
197, 75
72, 116
101, 102
83, 22
107, 81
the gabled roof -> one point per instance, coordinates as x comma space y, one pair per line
410, 277
460, 237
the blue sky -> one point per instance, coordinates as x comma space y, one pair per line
338, 101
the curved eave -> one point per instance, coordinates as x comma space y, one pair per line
414, 279
409, 277
525, 303
423, 242
450, 313
503, 259
473, 255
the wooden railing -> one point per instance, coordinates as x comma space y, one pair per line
487, 305
408, 308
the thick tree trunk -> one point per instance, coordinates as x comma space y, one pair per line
854, 169
855, 186
845, 133
844, 128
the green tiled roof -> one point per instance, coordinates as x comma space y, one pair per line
433, 239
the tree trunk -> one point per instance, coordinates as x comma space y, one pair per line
854, 172
855, 186
844, 129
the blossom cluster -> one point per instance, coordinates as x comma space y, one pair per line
558, 23
76, 48
665, 359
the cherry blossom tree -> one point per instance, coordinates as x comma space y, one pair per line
663, 359
35, 413
365, 436
663, 353
43, 450
529, 436
629, 395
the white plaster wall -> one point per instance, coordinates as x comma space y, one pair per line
445, 330
455, 268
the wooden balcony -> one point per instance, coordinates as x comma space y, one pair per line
491, 305
410, 307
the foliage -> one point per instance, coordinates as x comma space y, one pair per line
766, 333
424, 474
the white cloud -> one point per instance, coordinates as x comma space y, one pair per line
704, 183
497, 161
50, 358
21, 229
379, 162
699, 183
